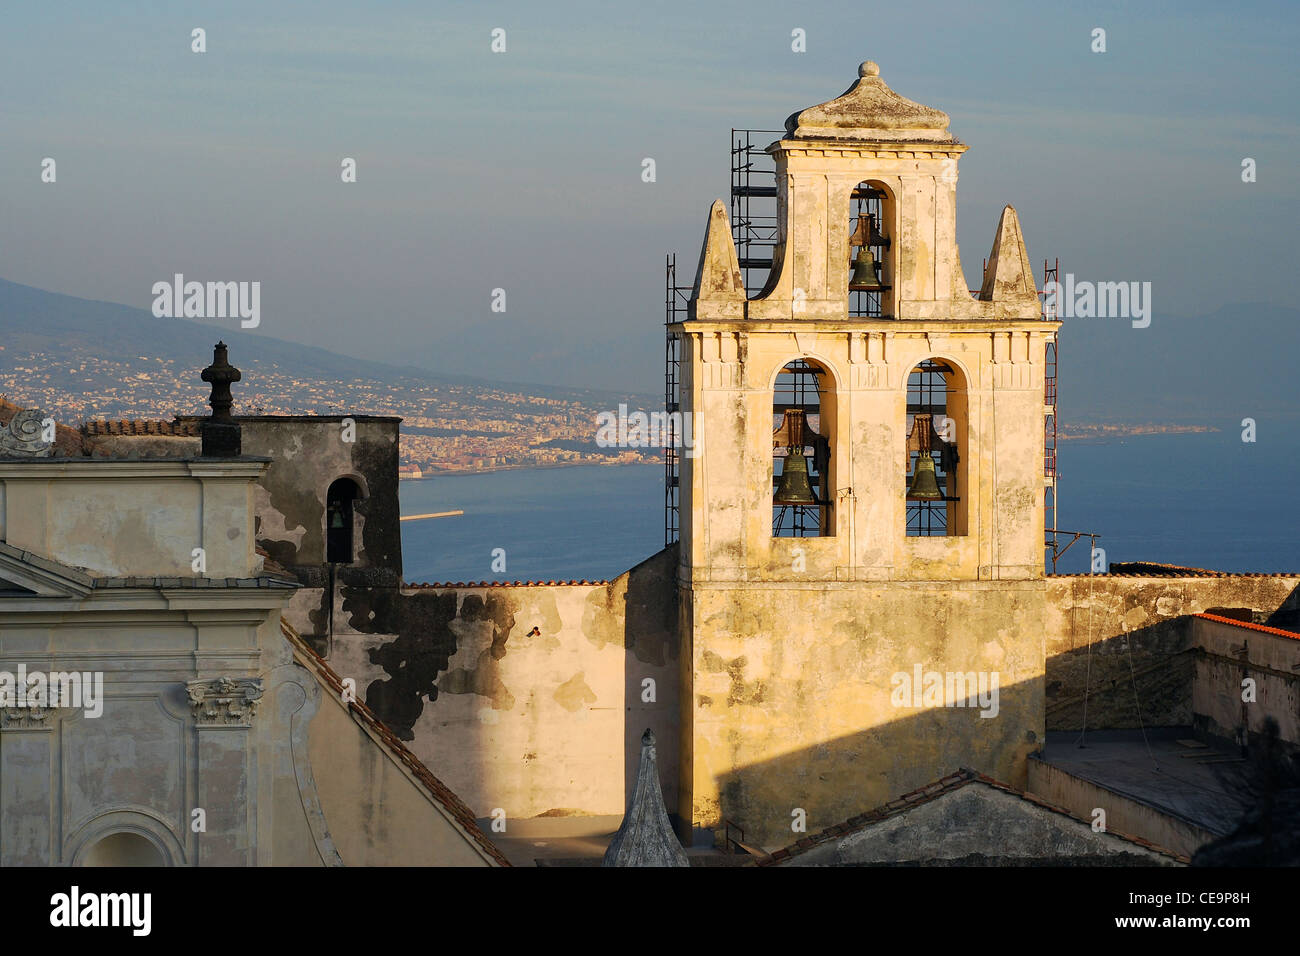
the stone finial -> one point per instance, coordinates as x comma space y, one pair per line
646, 837
717, 280
220, 433
1008, 275
221, 374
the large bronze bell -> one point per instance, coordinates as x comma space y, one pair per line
925, 485
793, 487
864, 277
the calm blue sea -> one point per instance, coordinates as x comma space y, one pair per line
1206, 500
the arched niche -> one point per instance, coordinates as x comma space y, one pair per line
873, 227
804, 420
935, 494
340, 520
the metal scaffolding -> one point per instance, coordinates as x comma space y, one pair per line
754, 222
675, 300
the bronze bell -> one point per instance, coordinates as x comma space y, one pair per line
336, 518
864, 272
925, 485
793, 487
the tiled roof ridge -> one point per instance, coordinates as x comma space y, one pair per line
507, 584
440, 792
1191, 573
922, 795
1263, 628
175, 428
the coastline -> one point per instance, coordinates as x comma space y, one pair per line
1090, 434
538, 467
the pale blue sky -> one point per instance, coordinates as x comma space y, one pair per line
522, 170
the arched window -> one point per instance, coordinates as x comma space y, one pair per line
936, 429
871, 214
338, 520
803, 421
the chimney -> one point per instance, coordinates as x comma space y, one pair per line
220, 432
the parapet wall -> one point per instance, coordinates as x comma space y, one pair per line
1109, 633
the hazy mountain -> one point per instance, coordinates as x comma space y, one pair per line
39, 321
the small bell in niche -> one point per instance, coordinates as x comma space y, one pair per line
793, 434
864, 278
925, 485
794, 488
336, 518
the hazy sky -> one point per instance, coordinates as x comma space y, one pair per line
522, 170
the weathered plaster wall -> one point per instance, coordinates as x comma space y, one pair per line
134, 518
1105, 633
530, 723
1229, 655
377, 813
792, 701
308, 454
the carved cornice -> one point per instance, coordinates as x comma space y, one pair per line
224, 701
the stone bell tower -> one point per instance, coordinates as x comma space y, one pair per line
863, 507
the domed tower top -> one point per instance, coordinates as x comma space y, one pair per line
870, 110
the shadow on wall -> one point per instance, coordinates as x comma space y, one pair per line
1139, 678
824, 785
1150, 677
1145, 676
651, 637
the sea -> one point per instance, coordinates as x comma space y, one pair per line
1204, 499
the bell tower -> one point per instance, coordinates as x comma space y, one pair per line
865, 494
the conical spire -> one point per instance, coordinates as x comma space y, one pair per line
718, 277
1008, 274
646, 837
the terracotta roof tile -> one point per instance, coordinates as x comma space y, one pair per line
1264, 629
131, 427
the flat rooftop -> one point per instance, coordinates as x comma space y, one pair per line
1169, 770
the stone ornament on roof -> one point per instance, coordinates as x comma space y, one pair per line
25, 436
870, 110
